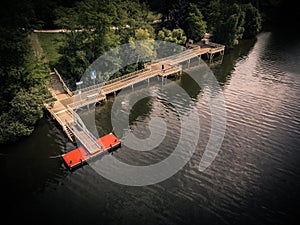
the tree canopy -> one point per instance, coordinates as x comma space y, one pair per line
96, 26
194, 24
253, 20
23, 76
176, 36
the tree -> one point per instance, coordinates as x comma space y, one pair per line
230, 27
194, 25
252, 20
89, 23
213, 14
168, 37
74, 59
23, 77
27, 106
11, 129
14, 51
142, 47
141, 34
97, 26
176, 36
25, 109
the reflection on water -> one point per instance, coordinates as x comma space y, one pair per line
253, 180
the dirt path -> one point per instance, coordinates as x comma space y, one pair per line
35, 43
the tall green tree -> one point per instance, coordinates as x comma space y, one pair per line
90, 24
214, 14
176, 36
23, 77
97, 26
252, 20
168, 37
142, 46
194, 24
26, 89
25, 109
230, 27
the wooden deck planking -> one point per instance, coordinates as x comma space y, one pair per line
63, 108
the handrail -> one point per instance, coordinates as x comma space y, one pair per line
173, 56
63, 83
215, 45
87, 133
84, 128
98, 86
73, 124
126, 76
89, 88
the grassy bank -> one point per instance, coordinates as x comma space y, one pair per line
50, 43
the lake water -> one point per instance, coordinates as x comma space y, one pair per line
255, 178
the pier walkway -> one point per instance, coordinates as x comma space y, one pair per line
63, 105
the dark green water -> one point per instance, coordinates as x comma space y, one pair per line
255, 179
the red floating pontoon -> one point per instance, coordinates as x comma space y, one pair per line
78, 156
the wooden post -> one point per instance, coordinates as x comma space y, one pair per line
211, 57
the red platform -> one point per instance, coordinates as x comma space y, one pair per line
79, 156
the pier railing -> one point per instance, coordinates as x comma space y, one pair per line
86, 138
63, 110
63, 83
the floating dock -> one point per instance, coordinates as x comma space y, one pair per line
62, 106
81, 155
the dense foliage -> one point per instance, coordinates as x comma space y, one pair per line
194, 24
23, 77
176, 36
98, 25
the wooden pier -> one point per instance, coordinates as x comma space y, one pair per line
62, 106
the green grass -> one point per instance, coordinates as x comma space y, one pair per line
50, 43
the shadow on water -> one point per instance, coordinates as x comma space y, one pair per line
223, 71
31, 164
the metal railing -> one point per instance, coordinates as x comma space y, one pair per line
98, 86
65, 87
78, 121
